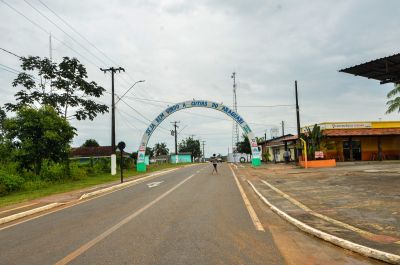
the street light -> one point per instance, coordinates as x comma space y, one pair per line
140, 81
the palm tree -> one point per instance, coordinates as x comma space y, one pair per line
394, 99
313, 139
160, 149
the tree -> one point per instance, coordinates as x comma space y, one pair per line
149, 152
5, 146
38, 134
61, 86
313, 140
244, 146
191, 146
393, 102
160, 149
90, 143
3, 117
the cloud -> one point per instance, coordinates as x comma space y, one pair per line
188, 49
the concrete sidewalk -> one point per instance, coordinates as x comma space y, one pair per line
357, 202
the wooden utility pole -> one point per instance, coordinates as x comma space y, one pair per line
113, 152
176, 136
298, 119
283, 134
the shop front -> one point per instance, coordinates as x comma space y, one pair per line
362, 141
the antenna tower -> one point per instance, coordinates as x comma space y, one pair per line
235, 127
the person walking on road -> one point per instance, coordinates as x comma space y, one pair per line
215, 163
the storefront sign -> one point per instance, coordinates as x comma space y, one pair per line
319, 154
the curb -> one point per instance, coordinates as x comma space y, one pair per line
16, 216
123, 185
30, 212
346, 244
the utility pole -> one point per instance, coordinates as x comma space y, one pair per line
113, 152
176, 136
283, 134
298, 119
204, 155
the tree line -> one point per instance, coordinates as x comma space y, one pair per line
35, 130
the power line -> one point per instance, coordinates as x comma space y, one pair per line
132, 108
239, 106
47, 32
65, 44
7, 51
72, 38
202, 115
77, 32
89, 42
125, 121
151, 100
141, 115
13, 70
9, 68
131, 116
82, 36
30, 20
266, 106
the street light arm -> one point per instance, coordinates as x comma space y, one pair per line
140, 81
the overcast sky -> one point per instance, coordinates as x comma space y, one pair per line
189, 49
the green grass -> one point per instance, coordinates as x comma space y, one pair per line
36, 190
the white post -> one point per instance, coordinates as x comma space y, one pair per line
113, 164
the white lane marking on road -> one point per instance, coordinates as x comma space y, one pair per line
250, 208
154, 184
73, 255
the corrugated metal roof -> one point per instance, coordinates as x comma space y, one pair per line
280, 140
386, 69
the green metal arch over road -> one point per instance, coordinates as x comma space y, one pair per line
141, 166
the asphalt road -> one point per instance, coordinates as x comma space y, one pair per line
184, 217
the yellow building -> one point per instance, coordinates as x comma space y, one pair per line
366, 140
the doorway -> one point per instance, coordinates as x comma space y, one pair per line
356, 147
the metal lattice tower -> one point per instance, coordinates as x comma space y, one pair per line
235, 126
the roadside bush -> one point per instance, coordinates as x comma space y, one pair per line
10, 167
9, 182
78, 172
128, 162
102, 165
53, 171
35, 184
